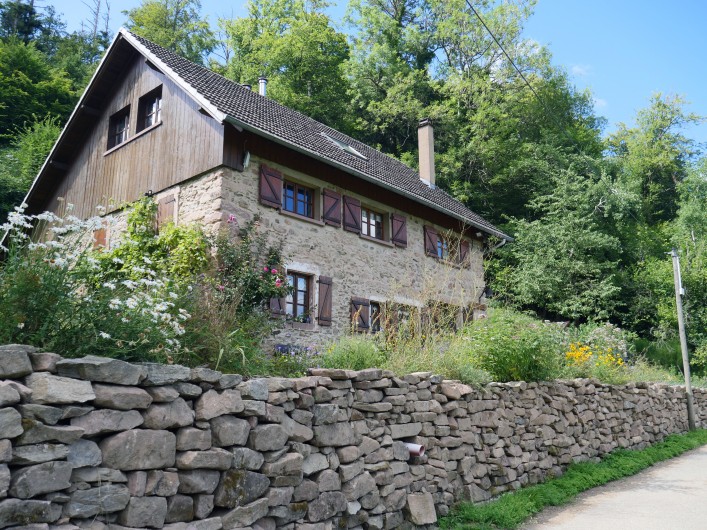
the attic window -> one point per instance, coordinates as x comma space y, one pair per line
344, 146
149, 111
118, 127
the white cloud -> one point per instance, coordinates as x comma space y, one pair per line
581, 70
600, 103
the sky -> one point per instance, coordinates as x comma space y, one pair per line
622, 50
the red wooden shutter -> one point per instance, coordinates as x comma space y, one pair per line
332, 208
278, 306
99, 239
352, 214
430, 241
360, 314
270, 186
400, 230
464, 252
324, 305
165, 210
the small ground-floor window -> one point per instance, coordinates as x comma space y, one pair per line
298, 302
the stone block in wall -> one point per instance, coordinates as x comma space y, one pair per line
315, 462
358, 486
106, 421
44, 413
170, 415
246, 515
25, 455
296, 431
180, 508
228, 431
213, 404
15, 361
255, 389
210, 459
144, 512
161, 483
405, 430
5, 451
326, 506
4, 480
8, 394
48, 389
164, 374
28, 482
100, 475
191, 439
334, 435
162, 394
101, 369
84, 453
139, 449
288, 464
203, 506
239, 487
244, 458
44, 361
308, 490
121, 397
15, 512
284, 515
107, 498
267, 438
198, 481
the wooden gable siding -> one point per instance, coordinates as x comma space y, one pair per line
269, 150
186, 143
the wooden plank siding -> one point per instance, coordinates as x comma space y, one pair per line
186, 143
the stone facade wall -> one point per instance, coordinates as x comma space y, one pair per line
103, 444
360, 267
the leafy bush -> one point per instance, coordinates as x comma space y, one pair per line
353, 353
514, 347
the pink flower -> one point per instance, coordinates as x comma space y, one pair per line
278, 282
265, 269
220, 287
274, 271
231, 218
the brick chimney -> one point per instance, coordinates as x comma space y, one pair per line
426, 148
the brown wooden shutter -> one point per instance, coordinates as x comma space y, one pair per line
400, 230
360, 314
332, 208
165, 210
352, 214
278, 306
99, 239
464, 252
324, 305
270, 186
430, 241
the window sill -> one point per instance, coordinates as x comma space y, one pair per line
376, 240
449, 263
301, 217
306, 326
135, 137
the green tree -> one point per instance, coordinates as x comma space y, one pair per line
30, 86
174, 24
298, 50
20, 161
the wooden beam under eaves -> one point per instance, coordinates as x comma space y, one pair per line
90, 110
59, 165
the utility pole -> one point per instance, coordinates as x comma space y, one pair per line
683, 339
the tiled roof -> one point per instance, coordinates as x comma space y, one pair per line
293, 128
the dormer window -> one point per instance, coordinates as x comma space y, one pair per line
119, 127
149, 110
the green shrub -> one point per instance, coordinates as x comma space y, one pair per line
515, 347
353, 353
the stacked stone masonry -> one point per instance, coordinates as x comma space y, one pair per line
100, 443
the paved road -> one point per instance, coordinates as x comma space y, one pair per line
668, 496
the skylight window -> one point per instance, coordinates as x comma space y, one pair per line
344, 146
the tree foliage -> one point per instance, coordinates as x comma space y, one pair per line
174, 24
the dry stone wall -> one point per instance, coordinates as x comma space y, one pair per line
100, 443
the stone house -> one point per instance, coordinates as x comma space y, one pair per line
361, 231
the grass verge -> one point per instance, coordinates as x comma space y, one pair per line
513, 508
